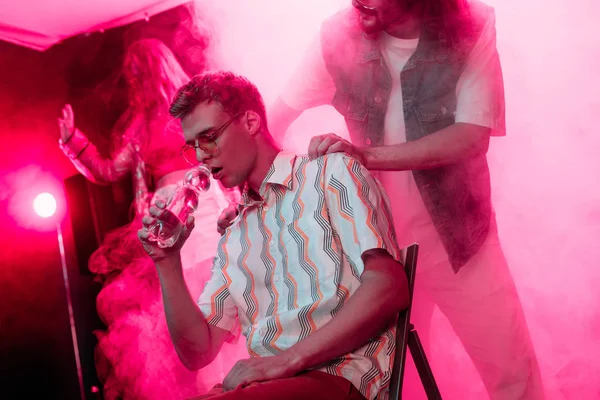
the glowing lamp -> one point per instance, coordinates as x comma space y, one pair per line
44, 205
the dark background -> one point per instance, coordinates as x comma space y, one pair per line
36, 351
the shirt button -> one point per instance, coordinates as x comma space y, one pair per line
276, 279
377, 99
444, 110
368, 142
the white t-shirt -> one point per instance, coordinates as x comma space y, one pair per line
480, 101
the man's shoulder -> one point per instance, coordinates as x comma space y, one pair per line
339, 158
325, 163
336, 162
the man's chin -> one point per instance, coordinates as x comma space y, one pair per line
370, 28
228, 183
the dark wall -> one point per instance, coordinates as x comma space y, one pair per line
36, 352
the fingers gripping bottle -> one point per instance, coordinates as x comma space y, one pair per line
181, 204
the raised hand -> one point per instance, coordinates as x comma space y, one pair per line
66, 123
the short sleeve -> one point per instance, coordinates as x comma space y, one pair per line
215, 301
310, 85
480, 89
359, 209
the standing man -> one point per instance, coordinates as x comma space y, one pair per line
420, 86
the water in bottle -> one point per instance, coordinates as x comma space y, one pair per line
182, 203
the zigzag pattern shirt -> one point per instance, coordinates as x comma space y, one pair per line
293, 258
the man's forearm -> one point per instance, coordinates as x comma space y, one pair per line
365, 315
457, 142
188, 328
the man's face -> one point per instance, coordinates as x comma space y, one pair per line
375, 16
232, 154
370, 17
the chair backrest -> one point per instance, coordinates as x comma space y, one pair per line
409, 255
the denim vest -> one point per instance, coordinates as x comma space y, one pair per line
457, 196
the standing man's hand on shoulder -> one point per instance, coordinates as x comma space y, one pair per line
332, 143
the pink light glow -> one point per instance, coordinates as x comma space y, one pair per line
44, 205
29, 190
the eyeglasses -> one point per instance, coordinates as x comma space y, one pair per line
206, 143
364, 9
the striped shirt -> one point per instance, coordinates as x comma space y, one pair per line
292, 259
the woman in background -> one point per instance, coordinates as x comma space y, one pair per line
134, 357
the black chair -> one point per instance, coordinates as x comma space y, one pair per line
407, 335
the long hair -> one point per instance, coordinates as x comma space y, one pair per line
450, 20
153, 75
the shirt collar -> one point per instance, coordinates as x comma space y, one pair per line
280, 173
281, 170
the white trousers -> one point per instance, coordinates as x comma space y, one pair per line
483, 307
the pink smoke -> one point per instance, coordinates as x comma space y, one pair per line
545, 173
545, 176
